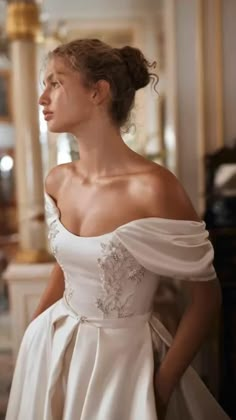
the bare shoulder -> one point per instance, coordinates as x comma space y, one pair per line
56, 177
166, 196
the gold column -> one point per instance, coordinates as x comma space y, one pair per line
22, 28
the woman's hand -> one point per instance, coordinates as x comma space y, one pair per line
162, 396
161, 408
162, 387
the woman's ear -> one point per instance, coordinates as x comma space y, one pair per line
101, 92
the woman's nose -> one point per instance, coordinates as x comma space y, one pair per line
44, 99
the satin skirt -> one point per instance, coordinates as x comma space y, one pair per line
71, 367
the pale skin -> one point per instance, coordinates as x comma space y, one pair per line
110, 186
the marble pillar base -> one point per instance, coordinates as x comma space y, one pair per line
26, 283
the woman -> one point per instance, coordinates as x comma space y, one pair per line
118, 226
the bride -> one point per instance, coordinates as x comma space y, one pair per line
119, 226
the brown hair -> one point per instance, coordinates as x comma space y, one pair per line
126, 70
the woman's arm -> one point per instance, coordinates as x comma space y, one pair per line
171, 201
53, 292
192, 330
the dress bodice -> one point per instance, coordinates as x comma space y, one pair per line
117, 274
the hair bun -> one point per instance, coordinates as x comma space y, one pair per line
137, 66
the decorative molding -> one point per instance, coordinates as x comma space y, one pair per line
219, 75
201, 104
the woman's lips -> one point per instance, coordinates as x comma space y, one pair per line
48, 116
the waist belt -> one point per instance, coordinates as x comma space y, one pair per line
126, 322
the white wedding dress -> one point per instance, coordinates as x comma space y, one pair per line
90, 356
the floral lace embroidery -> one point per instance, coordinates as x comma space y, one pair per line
49, 210
52, 233
120, 274
69, 291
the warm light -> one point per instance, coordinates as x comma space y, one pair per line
169, 138
43, 127
63, 155
6, 163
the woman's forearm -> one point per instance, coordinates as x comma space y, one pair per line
192, 330
53, 292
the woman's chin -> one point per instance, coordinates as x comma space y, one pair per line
55, 128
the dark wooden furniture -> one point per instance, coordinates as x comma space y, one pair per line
220, 217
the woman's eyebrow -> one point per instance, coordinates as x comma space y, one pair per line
50, 76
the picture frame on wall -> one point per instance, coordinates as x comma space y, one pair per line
5, 96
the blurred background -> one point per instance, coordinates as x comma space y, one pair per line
190, 127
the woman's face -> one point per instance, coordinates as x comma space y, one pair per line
67, 103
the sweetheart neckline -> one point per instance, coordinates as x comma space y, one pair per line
141, 219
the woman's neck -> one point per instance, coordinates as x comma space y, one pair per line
102, 151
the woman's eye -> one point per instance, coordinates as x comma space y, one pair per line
55, 84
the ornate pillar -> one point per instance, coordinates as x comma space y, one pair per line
22, 28
26, 275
